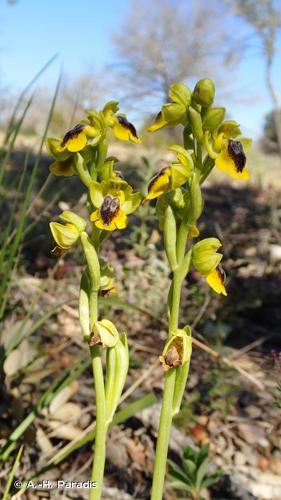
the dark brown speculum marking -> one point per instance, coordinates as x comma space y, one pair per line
109, 209
72, 133
155, 177
124, 122
236, 153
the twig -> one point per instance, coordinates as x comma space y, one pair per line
249, 347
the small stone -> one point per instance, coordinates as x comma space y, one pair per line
251, 433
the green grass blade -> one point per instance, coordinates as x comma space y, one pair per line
63, 380
23, 94
121, 416
12, 474
12, 142
15, 339
4, 289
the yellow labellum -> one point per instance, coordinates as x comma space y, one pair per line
216, 281
159, 184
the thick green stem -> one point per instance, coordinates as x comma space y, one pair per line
101, 410
163, 436
101, 426
166, 416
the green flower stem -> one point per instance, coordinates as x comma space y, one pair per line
166, 416
101, 410
101, 425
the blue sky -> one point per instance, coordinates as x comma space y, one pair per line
80, 32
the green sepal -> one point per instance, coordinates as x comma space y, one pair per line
131, 203
74, 219
173, 112
96, 194
180, 94
51, 146
64, 235
213, 117
204, 255
230, 129
105, 333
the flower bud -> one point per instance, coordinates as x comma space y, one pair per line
204, 255
213, 118
105, 334
170, 237
196, 124
204, 92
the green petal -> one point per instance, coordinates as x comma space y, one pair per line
132, 203
96, 194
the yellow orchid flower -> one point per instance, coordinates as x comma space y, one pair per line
206, 261
173, 112
74, 140
124, 130
66, 235
114, 200
173, 176
232, 160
